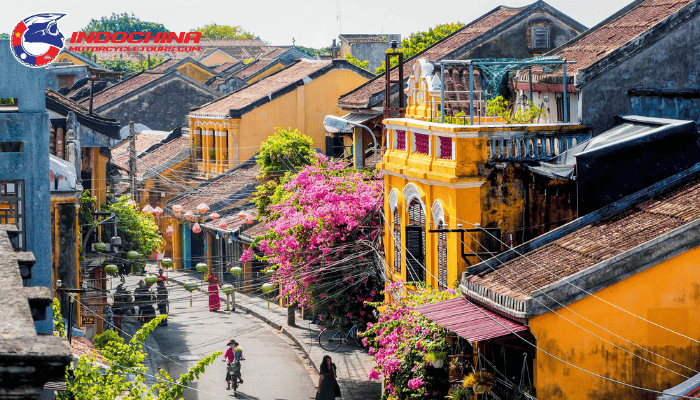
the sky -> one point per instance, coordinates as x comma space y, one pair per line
311, 23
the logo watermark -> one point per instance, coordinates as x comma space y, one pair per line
37, 40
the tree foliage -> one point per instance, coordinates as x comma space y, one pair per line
420, 41
87, 381
314, 52
215, 31
123, 23
4, 36
285, 150
138, 231
122, 65
357, 61
503, 108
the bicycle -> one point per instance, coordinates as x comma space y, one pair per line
331, 339
235, 370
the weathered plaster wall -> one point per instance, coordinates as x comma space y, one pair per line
670, 63
372, 52
162, 107
667, 294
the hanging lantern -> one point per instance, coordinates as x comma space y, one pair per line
158, 211
166, 262
190, 287
202, 208
196, 228
267, 288
169, 230
111, 269
189, 215
249, 219
214, 216
223, 224
243, 215
150, 279
100, 246
133, 255
235, 271
201, 267
228, 288
148, 209
177, 209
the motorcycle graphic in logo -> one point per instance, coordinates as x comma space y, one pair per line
36, 40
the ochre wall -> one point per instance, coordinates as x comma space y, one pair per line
667, 294
195, 72
217, 58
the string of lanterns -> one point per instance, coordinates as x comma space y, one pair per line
190, 216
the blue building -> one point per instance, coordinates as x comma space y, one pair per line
24, 166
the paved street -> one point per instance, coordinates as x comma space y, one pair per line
273, 368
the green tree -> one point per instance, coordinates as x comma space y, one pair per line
357, 61
122, 65
4, 36
314, 52
215, 31
123, 23
138, 231
87, 381
420, 41
501, 107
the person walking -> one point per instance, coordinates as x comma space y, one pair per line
144, 299
328, 388
233, 356
162, 299
214, 299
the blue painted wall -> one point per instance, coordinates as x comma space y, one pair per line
31, 126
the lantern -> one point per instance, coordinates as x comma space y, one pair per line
235, 271
202, 208
158, 211
169, 230
228, 288
166, 263
177, 209
189, 215
223, 224
111, 269
243, 214
133, 255
150, 279
249, 220
214, 216
201, 267
100, 246
196, 228
190, 287
267, 288
148, 209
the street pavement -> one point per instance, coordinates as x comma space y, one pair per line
354, 364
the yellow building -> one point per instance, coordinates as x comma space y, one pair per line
187, 66
228, 131
217, 57
452, 176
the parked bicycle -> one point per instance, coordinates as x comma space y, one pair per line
331, 338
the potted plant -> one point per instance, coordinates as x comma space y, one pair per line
480, 381
460, 393
436, 358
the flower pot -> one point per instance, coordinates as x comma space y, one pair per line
479, 389
438, 363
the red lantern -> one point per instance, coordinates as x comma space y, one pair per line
223, 224
148, 209
214, 216
189, 215
202, 208
196, 228
170, 231
243, 214
249, 219
177, 209
158, 211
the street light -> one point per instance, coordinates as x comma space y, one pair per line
335, 124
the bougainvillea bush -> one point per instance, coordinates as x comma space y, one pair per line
401, 340
324, 229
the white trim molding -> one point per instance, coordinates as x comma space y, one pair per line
393, 200
410, 192
438, 213
433, 182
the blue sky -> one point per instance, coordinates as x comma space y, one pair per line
312, 23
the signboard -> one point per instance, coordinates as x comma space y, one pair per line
88, 320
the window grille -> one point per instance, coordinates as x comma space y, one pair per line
397, 242
442, 260
422, 143
446, 148
539, 36
400, 140
12, 207
415, 243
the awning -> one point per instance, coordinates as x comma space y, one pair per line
468, 320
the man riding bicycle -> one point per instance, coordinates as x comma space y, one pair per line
233, 355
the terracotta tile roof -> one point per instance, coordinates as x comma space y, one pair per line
220, 192
359, 38
595, 243
123, 88
144, 141
65, 101
275, 52
262, 88
252, 68
599, 41
239, 49
216, 82
224, 66
158, 158
233, 221
360, 97
81, 346
255, 230
164, 65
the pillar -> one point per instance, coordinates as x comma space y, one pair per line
207, 145
220, 140
177, 246
358, 148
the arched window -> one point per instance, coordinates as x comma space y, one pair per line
415, 242
397, 241
442, 260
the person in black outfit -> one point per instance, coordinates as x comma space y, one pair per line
162, 299
144, 299
328, 388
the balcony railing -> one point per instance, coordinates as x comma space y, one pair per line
532, 147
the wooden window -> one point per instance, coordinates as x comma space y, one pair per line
400, 140
415, 243
12, 207
422, 143
539, 37
397, 242
560, 108
442, 260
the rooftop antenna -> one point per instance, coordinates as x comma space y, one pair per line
340, 25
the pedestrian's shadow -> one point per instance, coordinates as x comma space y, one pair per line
242, 395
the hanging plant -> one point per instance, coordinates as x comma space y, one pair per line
480, 381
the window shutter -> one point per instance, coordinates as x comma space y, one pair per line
539, 37
442, 260
415, 243
397, 242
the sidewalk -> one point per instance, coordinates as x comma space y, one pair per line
354, 364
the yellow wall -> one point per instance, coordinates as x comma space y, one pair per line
667, 294
303, 109
195, 72
99, 176
217, 58
65, 57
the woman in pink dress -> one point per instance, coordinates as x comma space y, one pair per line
214, 300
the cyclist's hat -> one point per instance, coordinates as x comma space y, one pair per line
232, 341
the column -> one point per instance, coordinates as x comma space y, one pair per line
177, 244
207, 145
220, 140
358, 147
